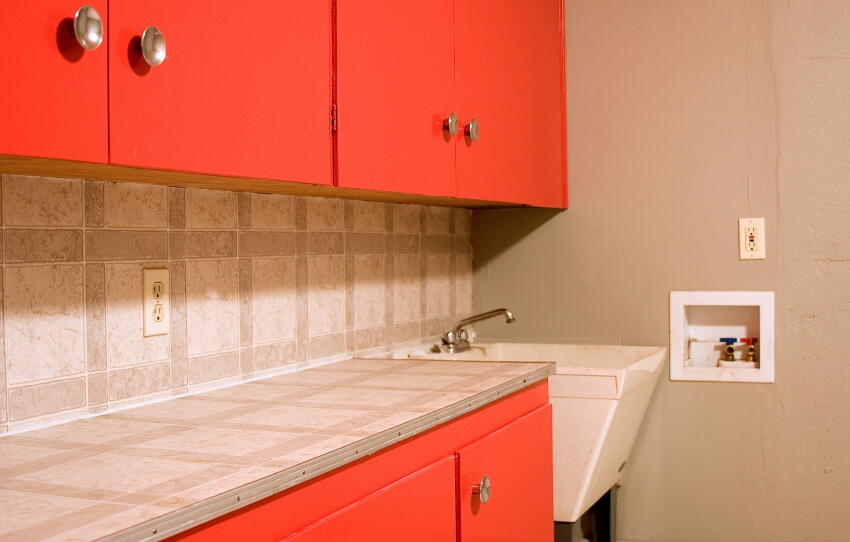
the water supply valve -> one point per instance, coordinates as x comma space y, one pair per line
751, 347
730, 347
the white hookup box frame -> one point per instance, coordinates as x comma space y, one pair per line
698, 320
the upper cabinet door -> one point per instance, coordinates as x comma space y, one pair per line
53, 91
244, 89
510, 80
395, 87
511, 473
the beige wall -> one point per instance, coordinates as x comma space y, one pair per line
260, 284
684, 116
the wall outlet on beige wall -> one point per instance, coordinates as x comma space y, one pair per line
155, 301
751, 238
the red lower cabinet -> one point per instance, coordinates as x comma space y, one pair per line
417, 508
505, 483
421, 489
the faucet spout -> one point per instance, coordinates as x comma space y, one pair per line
456, 340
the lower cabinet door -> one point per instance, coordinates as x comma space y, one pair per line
419, 507
505, 483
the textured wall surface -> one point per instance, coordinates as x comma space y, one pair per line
682, 118
259, 284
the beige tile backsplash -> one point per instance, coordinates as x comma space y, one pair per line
129, 205
42, 201
45, 322
212, 310
259, 284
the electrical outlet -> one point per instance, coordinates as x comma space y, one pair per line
155, 301
751, 238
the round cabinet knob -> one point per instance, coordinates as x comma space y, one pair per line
153, 46
450, 125
483, 490
471, 130
88, 27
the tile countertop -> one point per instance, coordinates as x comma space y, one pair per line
152, 471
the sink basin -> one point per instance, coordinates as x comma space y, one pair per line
599, 395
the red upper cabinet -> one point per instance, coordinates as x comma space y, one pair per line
395, 87
505, 483
53, 96
403, 67
244, 90
509, 72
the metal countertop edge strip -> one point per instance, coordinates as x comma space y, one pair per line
215, 507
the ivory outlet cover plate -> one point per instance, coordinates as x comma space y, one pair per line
156, 297
751, 238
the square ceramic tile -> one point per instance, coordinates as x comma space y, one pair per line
210, 209
463, 283
212, 306
365, 398
182, 410
217, 440
273, 294
13, 454
45, 331
439, 220
113, 472
438, 284
93, 430
325, 214
325, 294
370, 291
365, 216
42, 201
125, 341
20, 509
406, 287
226, 483
315, 378
113, 521
407, 218
130, 205
310, 417
272, 212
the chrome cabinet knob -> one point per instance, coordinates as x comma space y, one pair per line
88, 28
471, 130
450, 125
483, 490
153, 46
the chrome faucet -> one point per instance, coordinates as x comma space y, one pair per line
457, 339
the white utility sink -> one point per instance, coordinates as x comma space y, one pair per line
599, 395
